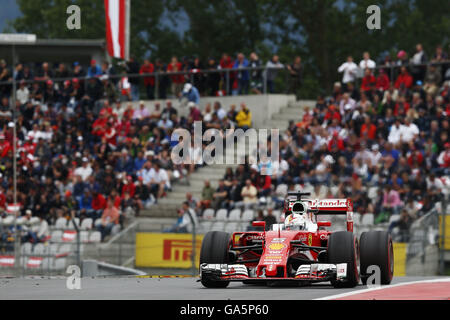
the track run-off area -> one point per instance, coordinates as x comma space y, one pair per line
187, 288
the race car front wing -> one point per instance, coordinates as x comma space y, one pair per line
315, 272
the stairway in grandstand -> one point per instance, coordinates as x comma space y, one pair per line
167, 207
293, 111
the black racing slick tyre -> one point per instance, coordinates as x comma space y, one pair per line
377, 249
215, 250
343, 248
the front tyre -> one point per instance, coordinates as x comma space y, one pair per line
377, 249
215, 250
343, 248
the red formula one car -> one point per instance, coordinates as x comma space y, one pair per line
300, 250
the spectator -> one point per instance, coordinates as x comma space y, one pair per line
149, 81
404, 79
417, 61
212, 78
186, 219
249, 194
366, 62
296, 75
256, 82
94, 69
270, 219
349, 68
191, 93
244, 117
133, 68
368, 81
243, 76
178, 79
272, 67
432, 80
404, 224
109, 219
207, 195
382, 82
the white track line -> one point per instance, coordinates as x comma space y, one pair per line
355, 292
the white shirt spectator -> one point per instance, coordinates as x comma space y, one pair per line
369, 63
221, 113
435, 183
147, 175
161, 176
84, 172
350, 70
187, 222
23, 94
409, 132
395, 134
141, 113
280, 168
43, 229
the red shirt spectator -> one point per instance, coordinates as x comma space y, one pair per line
129, 188
148, 67
368, 82
404, 78
98, 202
336, 142
5, 146
370, 129
332, 113
382, 81
175, 66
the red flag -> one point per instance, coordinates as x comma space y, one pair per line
117, 27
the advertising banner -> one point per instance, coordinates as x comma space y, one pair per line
166, 250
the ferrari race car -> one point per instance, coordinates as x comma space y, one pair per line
300, 250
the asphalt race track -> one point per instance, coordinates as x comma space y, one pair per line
163, 288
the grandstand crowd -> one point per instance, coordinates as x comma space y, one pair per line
83, 151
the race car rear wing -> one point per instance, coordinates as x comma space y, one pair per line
333, 206
328, 206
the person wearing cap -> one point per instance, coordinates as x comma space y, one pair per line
402, 57
94, 69
141, 113
191, 93
85, 170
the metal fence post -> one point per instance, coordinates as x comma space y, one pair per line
157, 86
265, 80
193, 255
78, 255
442, 237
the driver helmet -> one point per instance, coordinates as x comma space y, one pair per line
295, 220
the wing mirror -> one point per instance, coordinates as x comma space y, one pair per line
259, 224
323, 224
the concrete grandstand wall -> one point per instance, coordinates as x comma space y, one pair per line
261, 106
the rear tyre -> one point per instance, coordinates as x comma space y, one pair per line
343, 248
377, 249
215, 247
